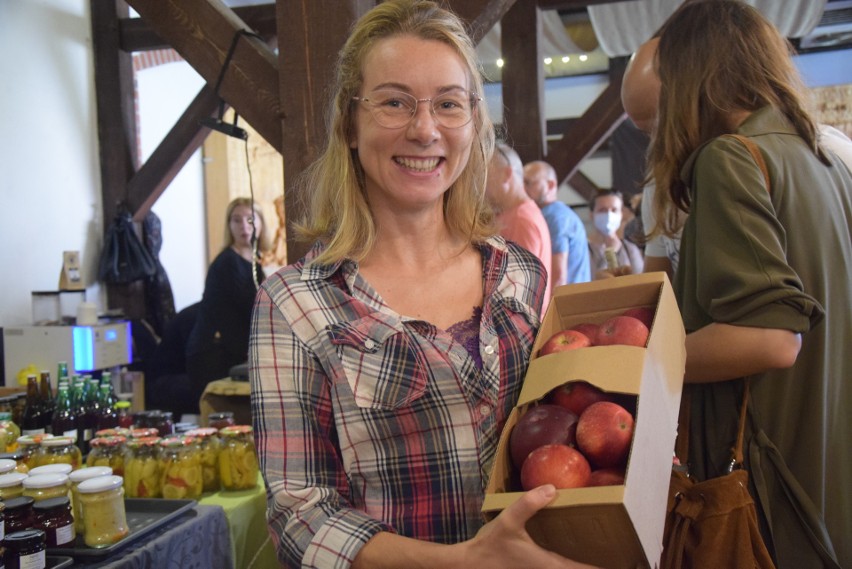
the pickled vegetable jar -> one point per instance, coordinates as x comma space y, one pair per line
104, 516
114, 432
7, 465
108, 451
181, 463
43, 486
30, 447
60, 450
237, 460
142, 469
76, 478
11, 485
210, 445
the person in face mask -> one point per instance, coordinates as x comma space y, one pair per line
606, 208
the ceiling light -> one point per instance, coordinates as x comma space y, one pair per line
548, 60
500, 62
566, 59
584, 57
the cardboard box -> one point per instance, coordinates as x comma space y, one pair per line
610, 526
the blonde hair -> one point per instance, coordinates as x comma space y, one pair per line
263, 243
715, 58
336, 209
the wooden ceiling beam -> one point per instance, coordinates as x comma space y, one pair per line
481, 15
202, 32
136, 34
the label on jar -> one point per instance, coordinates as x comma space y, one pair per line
72, 433
65, 534
25, 432
36, 560
2, 529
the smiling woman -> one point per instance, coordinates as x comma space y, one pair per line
391, 355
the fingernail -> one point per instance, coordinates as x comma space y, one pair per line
548, 490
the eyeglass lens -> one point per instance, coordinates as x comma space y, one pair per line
395, 109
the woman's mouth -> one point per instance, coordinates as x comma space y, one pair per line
418, 164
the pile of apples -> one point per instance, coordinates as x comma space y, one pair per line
630, 328
579, 436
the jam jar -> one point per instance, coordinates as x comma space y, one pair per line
60, 450
18, 513
43, 486
26, 550
11, 485
209, 445
76, 478
181, 476
142, 469
108, 451
220, 420
104, 516
54, 517
238, 468
163, 421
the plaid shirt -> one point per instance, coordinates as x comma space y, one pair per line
366, 421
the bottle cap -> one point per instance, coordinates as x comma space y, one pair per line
50, 503
100, 484
58, 468
45, 480
82, 474
25, 539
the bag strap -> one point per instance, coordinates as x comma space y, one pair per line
756, 154
737, 451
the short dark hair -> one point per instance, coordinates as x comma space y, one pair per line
604, 193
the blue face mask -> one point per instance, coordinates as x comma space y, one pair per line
607, 222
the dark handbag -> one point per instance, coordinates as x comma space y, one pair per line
124, 258
713, 523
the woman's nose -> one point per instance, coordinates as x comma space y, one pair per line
423, 126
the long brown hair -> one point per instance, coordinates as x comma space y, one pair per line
337, 209
717, 57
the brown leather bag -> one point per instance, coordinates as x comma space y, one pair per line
713, 524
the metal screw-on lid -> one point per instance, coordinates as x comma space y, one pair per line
25, 539
100, 484
90, 472
18, 502
109, 442
51, 503
57, 468
235, 430
11, 479
45, 480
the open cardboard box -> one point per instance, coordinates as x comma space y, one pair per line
608, 526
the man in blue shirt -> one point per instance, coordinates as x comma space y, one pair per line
570, 260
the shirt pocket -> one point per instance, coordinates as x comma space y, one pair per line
383, 365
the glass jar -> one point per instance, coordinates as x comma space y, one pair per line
18, 457
143, 432
57, 468
181, 476
238, 468
142, 470
209, 445
43, 486
162, 421
26, 550
18, 514
7, 465
221, 420
60, 450
2, 529
108, 451
54, 517
11, 485
104, 517
30, 447
125, 419
13, 431
76, 478
114, 432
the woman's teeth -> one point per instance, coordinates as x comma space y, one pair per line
419, 164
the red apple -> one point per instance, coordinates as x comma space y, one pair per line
604, 432
623, 330
564, 340
577, 395
589, 329
607, 477
559, 465
539, 426
643, 313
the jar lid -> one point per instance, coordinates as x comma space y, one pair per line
57, 468
235, 430
16, 456
51, 503
203, 432
122, 405
7, 465
25, 539
57, 442
100, 484
19, 502
177, 442
221, 415
33, 439
107, 441
45, 480
11, 479
147, 432
144, 442
89, 472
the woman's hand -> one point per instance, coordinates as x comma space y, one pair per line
504, 542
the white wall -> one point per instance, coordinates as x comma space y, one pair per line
50, 183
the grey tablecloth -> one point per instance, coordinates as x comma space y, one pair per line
197, 540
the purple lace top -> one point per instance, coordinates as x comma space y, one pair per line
466, 333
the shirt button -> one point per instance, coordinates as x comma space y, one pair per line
484, 410
369, 344
489, 350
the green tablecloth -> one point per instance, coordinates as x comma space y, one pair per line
246, 514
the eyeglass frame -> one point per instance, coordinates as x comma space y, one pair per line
474, 101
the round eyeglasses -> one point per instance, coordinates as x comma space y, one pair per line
395, 109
